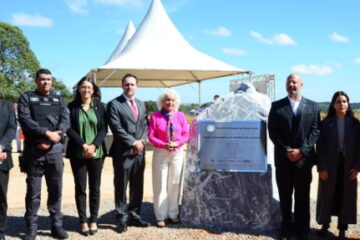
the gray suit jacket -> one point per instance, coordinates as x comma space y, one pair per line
124, 127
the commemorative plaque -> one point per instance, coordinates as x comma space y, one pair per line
236, 146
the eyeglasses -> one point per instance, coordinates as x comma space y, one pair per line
86, 87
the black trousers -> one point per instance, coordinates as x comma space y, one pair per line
4, 181
52, 166
129, 171
292, 179
82, 168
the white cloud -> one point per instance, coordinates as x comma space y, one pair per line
312, 69
283, 39
357, 60
335, 64
78, 6
276, 39
234, 51
134, 3
23, 19
338, 38
260, 37
221, 31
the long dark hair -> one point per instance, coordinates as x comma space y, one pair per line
95, 96
331, 110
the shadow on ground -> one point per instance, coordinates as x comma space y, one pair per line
16, 225
108, 221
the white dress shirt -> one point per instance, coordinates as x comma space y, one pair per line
128, 101
295, 104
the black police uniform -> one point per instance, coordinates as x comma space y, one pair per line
37, 114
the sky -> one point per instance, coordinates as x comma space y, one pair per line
319, 39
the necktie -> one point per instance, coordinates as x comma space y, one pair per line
133, 108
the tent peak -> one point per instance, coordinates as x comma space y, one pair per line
128, 33
159, 55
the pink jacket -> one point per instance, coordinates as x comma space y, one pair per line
157, 129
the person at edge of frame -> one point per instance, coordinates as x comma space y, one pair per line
338, 165
7, 133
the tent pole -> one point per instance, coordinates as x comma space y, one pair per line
199, 93
94, 77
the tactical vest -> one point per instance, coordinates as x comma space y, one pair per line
45, 110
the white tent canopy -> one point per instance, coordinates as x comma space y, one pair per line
159, 56
129, 32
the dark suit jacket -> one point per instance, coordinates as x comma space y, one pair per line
328, 159
7, 131
75, 141
280, 125
124, 127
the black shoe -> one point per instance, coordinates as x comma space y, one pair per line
323, 233
341, 235
93, 232
302, 237
85, 233
30, 234
59, 232
122, 226
137, 222
284, 237
285, 233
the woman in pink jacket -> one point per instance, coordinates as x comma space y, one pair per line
168, 131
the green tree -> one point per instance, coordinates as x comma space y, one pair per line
18, 65
60, 88
187, 107
151, 107
17, 62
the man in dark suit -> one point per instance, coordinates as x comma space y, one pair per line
128, 122
7, 133
294, 129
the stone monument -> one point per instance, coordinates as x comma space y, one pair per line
230, 201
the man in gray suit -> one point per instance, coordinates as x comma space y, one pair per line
128, 122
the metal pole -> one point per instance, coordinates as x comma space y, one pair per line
199, 93
94, 76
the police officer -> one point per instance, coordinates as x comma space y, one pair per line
44, 119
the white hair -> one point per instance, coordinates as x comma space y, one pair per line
168, 93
